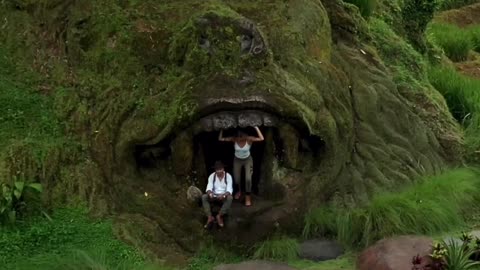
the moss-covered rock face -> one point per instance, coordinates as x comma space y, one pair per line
144, 86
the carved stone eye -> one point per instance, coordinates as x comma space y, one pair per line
258, 49
246, 43
204, 43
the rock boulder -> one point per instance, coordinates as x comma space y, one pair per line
394, 253
320, 250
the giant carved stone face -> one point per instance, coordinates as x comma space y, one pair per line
155, 81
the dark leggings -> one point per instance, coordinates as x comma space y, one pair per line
238, 165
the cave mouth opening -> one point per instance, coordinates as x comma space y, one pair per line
190, 153
208, 149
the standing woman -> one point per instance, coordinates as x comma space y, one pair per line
243, 159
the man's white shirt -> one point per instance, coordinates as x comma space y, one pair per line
220, 186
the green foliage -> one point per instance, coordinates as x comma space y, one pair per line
457, 257
49, 242
277, 249
435, 204
366, 6
455, 42
12, 200
416, 14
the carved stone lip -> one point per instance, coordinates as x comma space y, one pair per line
218, 113
213, 105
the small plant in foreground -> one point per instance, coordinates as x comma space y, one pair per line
450, 256
12, 199
466, 238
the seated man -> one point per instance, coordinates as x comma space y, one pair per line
219, 188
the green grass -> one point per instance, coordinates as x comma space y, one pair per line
431, 206
472, 137
72, 241
366, 7
455, 42
27, 117
69, 239
462, 94
282, 249
24, 114
211, 255
474, 32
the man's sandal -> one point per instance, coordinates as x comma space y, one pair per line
209, 222
220, 221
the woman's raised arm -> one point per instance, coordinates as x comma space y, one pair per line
259, 138
224, 139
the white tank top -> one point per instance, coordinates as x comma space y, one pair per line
242, 152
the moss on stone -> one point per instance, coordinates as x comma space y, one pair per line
131, 73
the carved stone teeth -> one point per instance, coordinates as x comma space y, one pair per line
224, 121
269, 120
249, 119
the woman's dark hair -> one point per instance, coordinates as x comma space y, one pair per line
241, 133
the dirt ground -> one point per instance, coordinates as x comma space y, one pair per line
463, 17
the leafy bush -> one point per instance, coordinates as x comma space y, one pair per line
12, 200
435, 204
416, 14
277, 249
366, 6
455, 42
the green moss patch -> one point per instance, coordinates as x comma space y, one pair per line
68, 239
